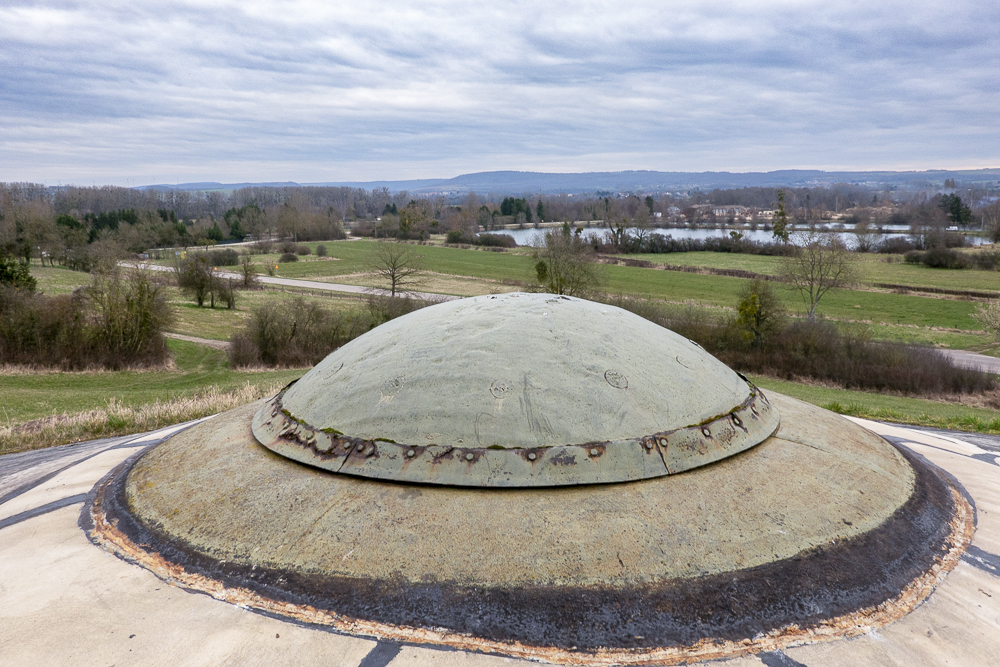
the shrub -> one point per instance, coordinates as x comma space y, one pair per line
222, 257
131, 312
288, 247
761, 315
288, 257
261, 248
116, 322
938, 258
248, 273
196, 278
944, 258
457, 236
295, 333
16, 274
302, 250
321, 250
381, 308
461, 236
896, 245
986, 260
496, 240
816, 349
302, 333
848, 357
660, 244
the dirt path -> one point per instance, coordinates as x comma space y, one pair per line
217, 344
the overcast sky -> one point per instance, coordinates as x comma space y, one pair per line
136, 92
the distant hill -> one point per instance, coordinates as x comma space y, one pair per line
613, 182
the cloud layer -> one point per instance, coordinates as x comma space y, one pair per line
133, 93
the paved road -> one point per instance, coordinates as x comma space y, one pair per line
979, 362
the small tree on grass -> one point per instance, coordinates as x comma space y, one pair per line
131, 312
197, 278
397, 266
567, 265
248, 272
761, 315
819, 266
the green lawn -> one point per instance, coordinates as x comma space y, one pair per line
889, 408
872, 268
877, 307
28, 397
57, 280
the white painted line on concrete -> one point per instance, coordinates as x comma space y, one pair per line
168, 430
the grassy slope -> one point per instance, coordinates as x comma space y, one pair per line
29, 397
889, 408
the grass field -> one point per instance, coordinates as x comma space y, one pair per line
61, 407
495, 271
200, 372
872, 268
879, 407
32, 396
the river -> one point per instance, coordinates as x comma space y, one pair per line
533, 236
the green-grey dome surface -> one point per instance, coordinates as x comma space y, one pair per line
516, 390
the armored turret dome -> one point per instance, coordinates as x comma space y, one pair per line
516, 390
545, 477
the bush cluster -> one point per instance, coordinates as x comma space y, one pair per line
464, 237
946, 258
115, 323
301, 333
288, 257
895, 245
198, 279
802, 349
222, 257
660, 244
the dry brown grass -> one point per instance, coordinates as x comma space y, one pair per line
117, 419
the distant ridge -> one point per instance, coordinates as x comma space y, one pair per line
613, 182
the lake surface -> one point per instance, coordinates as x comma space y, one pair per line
537, 236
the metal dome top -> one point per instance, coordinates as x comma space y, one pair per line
516, 390
818, 529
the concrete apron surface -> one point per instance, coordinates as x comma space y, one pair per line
64, 601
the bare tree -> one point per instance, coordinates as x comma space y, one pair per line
819, 266
397, 265
989, 316
865, 236
567, 265
991, 220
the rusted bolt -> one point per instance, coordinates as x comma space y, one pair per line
663, 442
470, 456
593, 452
411, 453
706, 432
532, 456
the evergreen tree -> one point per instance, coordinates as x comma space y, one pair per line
780, 224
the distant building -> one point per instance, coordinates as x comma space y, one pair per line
730, 211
